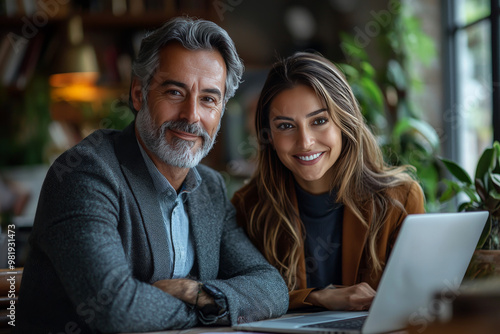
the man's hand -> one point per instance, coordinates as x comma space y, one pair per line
352, 298
186, 290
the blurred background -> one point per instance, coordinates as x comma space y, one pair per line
426, 74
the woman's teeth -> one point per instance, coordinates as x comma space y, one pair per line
308, 157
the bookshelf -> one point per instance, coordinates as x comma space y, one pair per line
34, 33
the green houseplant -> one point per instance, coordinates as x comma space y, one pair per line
482, 193
404, 136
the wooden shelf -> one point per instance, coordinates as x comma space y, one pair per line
104, 20
129, 21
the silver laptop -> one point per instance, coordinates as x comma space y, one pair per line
430, 257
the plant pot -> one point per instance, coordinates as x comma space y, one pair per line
484, 264
493, 240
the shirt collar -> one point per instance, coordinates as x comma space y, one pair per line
192, 181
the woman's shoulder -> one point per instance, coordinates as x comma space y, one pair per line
410, 195
408, 188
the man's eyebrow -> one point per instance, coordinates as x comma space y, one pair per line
213, 91
311, 114
173, 83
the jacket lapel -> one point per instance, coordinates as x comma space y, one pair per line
354, 235
142, 187
201, 223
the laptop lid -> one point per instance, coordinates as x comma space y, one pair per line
430, 257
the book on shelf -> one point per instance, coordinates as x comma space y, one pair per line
16, 51
18, 59
18, 7
29, 63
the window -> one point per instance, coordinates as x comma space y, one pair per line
472, 113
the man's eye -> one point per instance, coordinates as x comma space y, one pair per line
209, 99
174, 92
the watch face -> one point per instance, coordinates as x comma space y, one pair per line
210, 309
219, 300
213, 291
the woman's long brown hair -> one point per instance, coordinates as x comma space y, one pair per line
360, 175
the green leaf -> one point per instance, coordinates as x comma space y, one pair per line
368, 69
429, 179
485, 164
457, 171
484, 234
464, 206
495, 180
374, 93
409, 125
350, 49
471, 192
427, 131
395, 73
481, 190
350, 72
495, 194
451, 191
496, 168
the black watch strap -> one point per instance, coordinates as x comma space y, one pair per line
220, 306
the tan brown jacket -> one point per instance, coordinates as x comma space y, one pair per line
355, 267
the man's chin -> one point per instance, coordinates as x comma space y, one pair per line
178, 143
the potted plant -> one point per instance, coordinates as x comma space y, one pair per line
482, 193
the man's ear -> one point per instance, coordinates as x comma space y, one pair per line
136, 94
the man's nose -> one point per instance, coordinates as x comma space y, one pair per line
190, 111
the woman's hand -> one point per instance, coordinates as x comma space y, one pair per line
352, 298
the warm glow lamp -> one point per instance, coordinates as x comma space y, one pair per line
76, 69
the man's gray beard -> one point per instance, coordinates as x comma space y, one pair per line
179, 153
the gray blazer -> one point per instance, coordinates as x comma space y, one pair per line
98, 243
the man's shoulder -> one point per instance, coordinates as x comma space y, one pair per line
99, 140
99, 143
211, 181
94, 154
207, 173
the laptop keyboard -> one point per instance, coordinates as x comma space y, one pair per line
352, 323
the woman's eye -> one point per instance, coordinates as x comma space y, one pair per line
320, 121
284, 126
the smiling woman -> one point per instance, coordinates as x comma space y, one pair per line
322, 206
306, 141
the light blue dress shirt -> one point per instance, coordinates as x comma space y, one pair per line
179, 240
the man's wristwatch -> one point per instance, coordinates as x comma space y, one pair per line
220, 304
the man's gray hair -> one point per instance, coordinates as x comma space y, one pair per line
193, 35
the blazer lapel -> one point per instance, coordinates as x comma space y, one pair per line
201, 223
354, 235
142, 187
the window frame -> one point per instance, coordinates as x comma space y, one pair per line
450, 72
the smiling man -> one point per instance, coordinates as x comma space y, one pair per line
138, 236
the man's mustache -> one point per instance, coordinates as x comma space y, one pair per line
183, 126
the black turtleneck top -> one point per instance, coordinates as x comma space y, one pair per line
322, 218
